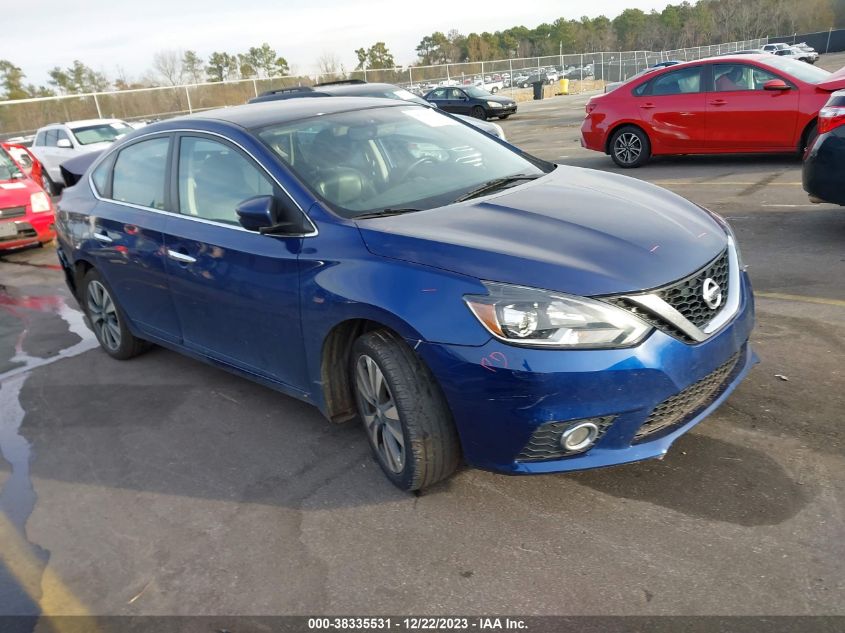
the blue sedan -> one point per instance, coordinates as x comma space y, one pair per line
459, 297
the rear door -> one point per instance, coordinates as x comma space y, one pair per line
236, 291
742, 116
127, 238
672, 107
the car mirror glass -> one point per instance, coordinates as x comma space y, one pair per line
64, 143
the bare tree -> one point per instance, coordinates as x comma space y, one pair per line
329, 67
168, 64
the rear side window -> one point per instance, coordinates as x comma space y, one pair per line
683, 81
139, 173
100, 177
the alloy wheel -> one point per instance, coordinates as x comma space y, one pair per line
628, 148
380, 414
103, 314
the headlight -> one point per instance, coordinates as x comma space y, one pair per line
40, 202
494, 104
531, 317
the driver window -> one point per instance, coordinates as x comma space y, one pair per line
732, 77
214, 179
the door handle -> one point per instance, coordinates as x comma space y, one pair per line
718, 102
647, 106
182, 258
102, 237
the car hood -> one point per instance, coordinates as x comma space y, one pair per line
575, 230
504, 100
835, 82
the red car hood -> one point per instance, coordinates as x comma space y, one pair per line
835, 82
16, 193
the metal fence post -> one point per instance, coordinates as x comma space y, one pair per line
255, 86
602, 66
581, 83
829, 33
188, 97
510, 70
410, 78
97, 105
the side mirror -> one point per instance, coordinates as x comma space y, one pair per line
261, 214
776, 84
64, 143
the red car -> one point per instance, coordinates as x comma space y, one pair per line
26, 212
732, 104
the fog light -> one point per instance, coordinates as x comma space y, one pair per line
580, 437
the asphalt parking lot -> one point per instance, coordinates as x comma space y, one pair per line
165, 486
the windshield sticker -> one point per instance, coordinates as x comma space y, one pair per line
429, 117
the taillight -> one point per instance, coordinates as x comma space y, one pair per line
831, 117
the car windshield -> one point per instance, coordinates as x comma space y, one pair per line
100, 133
478, 93
396, 158
798, 69
8, 169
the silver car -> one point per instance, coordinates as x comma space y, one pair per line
58, 142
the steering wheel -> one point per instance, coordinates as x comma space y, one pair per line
413, 166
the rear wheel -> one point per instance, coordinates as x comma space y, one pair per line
479, 113
629, 147
408, 423
107, 319
809, 137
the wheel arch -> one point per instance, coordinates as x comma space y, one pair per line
805, 133
618, 127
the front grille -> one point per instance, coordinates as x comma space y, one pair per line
682, 407
687, 297
12, 212
545, 440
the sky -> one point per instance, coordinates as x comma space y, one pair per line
120, 38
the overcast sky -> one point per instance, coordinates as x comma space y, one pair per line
108, 35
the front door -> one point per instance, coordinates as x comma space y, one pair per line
742, 115
236, 291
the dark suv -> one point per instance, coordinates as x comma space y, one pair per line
358, 88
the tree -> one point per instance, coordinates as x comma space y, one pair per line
222, 66
375, 57
329, 67
168, 65
192, 67
78, 78
266, 62
11, 78
245, 66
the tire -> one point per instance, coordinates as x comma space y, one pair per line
107, 319
478, 113
494, 90
629, 147
417, 445
47, 184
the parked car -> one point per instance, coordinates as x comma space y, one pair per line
530, 80
809, 50
796, 53
824, 163
740, 104
26, 212
358, 88
774, 47
472, 101
58, 142
383, 261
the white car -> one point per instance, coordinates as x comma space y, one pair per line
58, 142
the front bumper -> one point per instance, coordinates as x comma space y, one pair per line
34, 228
504, 111
500, 394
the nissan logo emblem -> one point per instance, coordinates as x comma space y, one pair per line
711, 293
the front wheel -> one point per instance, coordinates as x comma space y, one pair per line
47, 184
107, 319
629, 147
405, 415
479, 113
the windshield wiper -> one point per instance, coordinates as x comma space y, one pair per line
492, 185
384, 213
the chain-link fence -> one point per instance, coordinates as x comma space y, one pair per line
585, 71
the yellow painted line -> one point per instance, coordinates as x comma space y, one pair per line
55, 597
802, 298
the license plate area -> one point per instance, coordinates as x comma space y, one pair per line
8, 229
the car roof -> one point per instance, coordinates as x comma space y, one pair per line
255, 115
86, 122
